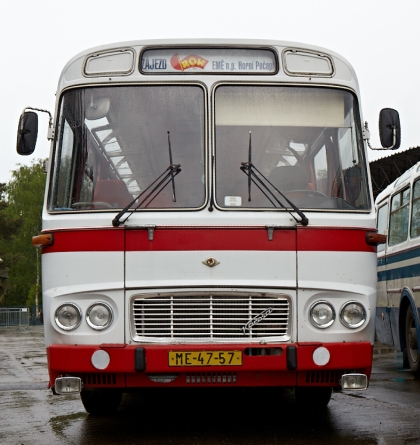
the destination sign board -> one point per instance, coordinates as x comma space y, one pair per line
208, 61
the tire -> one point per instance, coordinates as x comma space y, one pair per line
101, 402
313, 398
406, 365
411, 342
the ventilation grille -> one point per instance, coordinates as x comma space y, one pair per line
330, 377
206, 378
98, 379
211, 316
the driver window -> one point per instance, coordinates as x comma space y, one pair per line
63, 163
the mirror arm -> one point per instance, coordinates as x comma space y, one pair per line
366, 137
50, 134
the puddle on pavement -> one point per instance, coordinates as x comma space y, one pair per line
60, 423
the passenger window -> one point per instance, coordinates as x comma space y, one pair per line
382, 223
398, 221
415, 212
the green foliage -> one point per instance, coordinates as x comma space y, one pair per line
20, 220
31, 301
8, 225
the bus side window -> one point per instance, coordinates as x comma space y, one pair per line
415, 211
382, 223
399, 217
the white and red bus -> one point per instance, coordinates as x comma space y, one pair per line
208, 221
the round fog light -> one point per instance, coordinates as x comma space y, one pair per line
68, 316
99, 316
352, 315
322, 314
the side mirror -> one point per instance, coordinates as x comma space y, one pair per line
389, 129
27, 133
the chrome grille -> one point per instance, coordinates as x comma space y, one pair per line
212, 316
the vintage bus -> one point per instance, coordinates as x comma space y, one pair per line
398, 305
208, 221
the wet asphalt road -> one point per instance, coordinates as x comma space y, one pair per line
387, 413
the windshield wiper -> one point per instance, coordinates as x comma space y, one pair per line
256, 177
154, 188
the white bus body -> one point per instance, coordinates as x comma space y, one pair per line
213, 282
398, 305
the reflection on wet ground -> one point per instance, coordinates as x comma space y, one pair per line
387, 413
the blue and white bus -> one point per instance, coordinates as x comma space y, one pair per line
398, 296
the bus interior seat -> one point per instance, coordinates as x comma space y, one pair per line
289, 177
113, 192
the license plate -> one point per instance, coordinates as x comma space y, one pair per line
205, 358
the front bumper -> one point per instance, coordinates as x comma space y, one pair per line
128, 366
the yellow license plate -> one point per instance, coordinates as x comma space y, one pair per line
205, 358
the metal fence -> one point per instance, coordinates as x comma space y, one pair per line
20, 316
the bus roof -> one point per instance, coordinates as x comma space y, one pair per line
342, 73
400, 182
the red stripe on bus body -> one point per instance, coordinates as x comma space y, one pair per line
333, 239
87, 240
211, 239
199, 239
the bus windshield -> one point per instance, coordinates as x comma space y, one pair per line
303, 140
113, 142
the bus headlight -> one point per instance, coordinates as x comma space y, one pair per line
352, 315
322, 314
99, 316
68, 316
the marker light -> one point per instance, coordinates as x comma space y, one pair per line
68, 316
352, 315
322, 314
99, 316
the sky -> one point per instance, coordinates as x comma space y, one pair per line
379, 39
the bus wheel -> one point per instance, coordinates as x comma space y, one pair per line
406, 365
101, 402
313, 398
411, 342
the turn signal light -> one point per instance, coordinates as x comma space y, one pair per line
373, 239
46, 239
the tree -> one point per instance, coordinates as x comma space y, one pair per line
8, 226
23, 220
8, 229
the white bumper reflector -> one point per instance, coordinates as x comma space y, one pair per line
354, 381
321, 356
100, 359
67, 385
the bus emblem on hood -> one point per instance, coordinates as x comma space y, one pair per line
256, 319
211, 262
